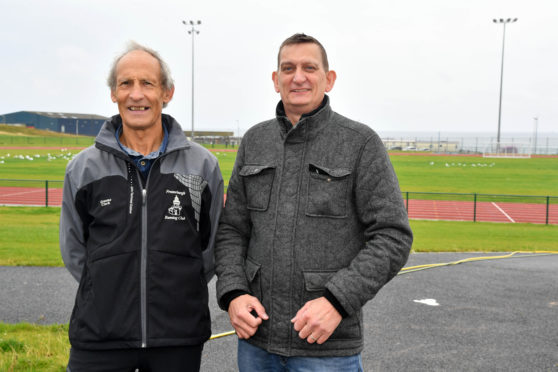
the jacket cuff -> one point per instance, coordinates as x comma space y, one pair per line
335, 303
227, 298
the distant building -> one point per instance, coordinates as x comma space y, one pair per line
408, 144
82, 124
213, 137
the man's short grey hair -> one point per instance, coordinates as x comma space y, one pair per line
166, 78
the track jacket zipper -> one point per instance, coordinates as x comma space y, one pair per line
132, 169
143, 257
143, 262
143, 268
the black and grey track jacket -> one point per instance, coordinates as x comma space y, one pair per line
142, 250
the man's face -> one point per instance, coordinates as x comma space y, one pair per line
301, 78
139, 93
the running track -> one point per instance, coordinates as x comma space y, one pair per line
418, 209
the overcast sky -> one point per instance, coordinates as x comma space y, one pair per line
402, 65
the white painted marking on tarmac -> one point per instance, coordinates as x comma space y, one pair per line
428, 301
504, 213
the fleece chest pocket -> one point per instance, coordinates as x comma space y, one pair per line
327, 191
258, 180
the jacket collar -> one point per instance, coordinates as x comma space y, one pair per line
106, 139
308, 125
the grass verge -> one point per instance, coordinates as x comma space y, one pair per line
29, 236
458, 236
28, 347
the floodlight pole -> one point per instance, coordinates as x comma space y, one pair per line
503, 22
192, 32
536, 122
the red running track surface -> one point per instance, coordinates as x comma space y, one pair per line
418, 209
485, 211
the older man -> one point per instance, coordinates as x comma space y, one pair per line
313, 227
139, 216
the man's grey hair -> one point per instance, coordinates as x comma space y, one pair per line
166, 78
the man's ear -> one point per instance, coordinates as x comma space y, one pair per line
330, 80
167, 95
112, 96
275, 79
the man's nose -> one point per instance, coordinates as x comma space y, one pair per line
299, 76
137, 92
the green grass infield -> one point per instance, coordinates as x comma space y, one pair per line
416, 173
29, 236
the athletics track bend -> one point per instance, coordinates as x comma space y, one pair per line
418, 209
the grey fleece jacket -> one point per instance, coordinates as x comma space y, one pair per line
312, 207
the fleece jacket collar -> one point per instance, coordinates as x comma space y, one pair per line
309, 124
106, 139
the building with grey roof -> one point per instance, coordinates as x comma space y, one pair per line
63, 122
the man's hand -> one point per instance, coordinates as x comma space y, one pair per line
316, 320
245, 324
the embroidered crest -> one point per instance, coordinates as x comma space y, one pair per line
195, 185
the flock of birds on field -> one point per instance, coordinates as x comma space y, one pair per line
65, 155
474, 165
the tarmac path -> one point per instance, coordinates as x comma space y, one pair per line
497, 315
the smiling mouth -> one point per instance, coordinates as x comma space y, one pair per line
300, 90
138, 108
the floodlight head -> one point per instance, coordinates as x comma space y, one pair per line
199, 22
508, 20
191, 22
184, 22
501, 20
189, 32
514, 20
494, 20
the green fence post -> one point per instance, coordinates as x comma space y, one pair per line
547, 208
474, 207
46, 193
407, 203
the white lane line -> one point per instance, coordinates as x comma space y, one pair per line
24, 192
428, 301
504, 213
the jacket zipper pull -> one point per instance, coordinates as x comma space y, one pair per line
143, 196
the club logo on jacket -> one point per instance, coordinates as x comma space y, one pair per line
175, 211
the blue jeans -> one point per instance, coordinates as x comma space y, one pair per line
254, 359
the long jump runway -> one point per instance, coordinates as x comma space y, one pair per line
418, 209
497, 315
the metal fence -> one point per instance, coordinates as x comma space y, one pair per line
420, 205
482, 207
471, 144
81, 141
31, 192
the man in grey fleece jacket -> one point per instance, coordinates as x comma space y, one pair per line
314, 226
